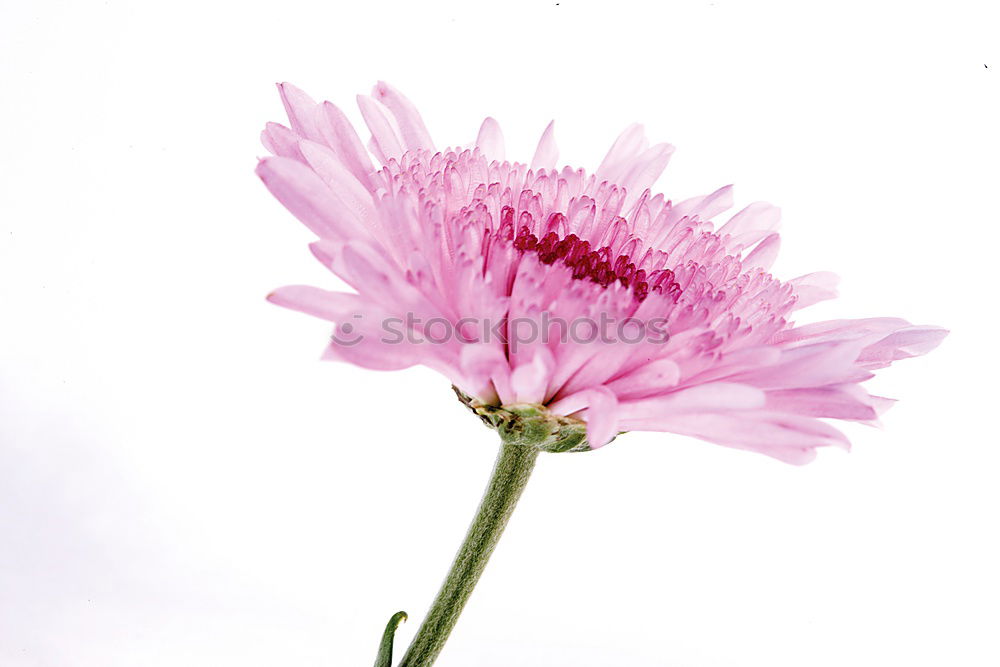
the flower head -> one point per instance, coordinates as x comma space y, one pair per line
582, 299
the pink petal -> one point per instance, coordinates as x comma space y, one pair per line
368, 271
301, 110
752, 224
486, 374
711, 397
764, 254
815, 365
814, 287
302, 192
530, 380
601, 416
490, 140
342, 183
357, 338
412, 130
837, 402
316, 302
386, 140
645, 171
280, 140
707, 206
626, 148
834, 330
902, 344
789, 438
340, 136
547, 153
654, 377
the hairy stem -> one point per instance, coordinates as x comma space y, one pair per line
510, 475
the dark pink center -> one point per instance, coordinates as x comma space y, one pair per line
598, 265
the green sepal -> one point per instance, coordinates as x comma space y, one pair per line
531, 425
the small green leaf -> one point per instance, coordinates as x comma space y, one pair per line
384, 658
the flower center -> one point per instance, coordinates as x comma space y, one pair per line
598, 265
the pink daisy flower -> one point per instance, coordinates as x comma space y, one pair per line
500, 274
564, 307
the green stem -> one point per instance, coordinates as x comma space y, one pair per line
510, 475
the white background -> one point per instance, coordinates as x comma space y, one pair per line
182, 482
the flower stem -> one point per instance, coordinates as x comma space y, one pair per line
510, 475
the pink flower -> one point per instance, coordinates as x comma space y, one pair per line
476, 267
